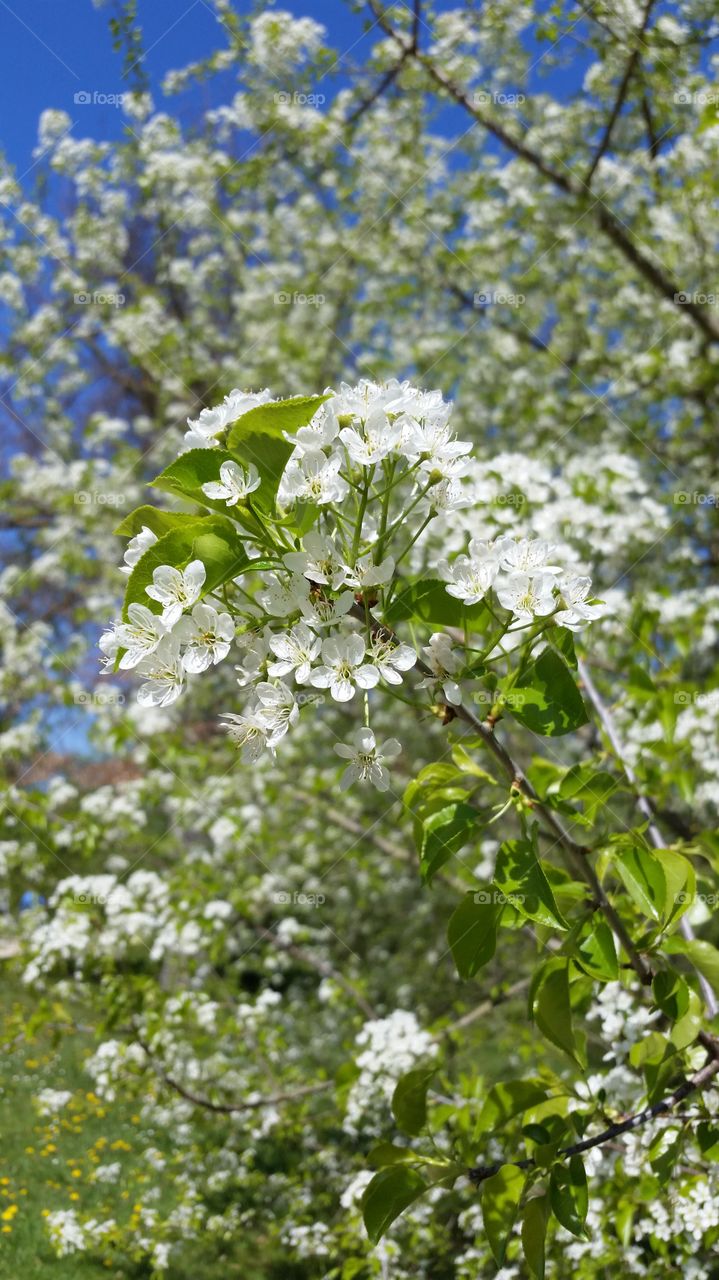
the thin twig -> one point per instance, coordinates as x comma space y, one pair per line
620, 99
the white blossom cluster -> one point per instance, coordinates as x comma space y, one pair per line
389, 449
388, 1047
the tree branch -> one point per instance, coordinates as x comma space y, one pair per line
696, 1082
231, 1108
607, 221
576, 854
621, 95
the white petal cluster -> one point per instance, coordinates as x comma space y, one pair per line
372, 468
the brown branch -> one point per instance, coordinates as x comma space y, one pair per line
576, 854
696, 1082
608, 222
381, 88
620, 99
230, 1108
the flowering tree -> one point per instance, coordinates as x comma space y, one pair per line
424, 982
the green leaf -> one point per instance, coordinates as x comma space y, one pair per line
562, 639
671, 994
472, 932
708, 1139
409, 1100
274, 419
680, 883
589, 787
427, 600
642, 876
213, 541
518, 874
553, 1011
534, 1232
546, 698
508, 1099
444, 834
389, 1193
388, 1153
186, 475
569, 1196
156, 519
257, 437
596, 953
500, 1197
702, 955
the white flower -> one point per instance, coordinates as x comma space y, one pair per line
365, 573
392, 659
277, 709
296, 651
280, 599
207, 634
321, 611
432, 443
108, 644
234, 485
574, 592
377, 439
319, 561
176, 589
529, 555
205, 429
166, 677
344, 667
445, 662
256, 645
366, 758
470, 577
320, 432
249, 733
138, 637
314, 478
136, 548
366, 397
448, 495
527, 597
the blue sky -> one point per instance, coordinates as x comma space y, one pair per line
52, 49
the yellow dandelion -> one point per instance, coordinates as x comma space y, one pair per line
77, 1173
6, 1231
8, 1214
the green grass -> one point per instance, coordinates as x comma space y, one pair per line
46, 1163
